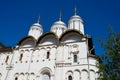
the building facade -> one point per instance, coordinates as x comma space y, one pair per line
63, 53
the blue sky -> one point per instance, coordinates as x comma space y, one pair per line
16, 17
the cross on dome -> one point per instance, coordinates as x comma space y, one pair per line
75, 11
38, 19
60, 18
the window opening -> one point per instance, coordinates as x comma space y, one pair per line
16, 78
75, 58
48, 55
21, 56
45, 76
6, 59
70, 77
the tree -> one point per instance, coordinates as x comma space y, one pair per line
109, 65
1, 45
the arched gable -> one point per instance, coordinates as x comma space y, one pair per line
71, 36
16, 75
77, 74
28, 41
84, 74
46, 70
92, 75
69, 72
48, 38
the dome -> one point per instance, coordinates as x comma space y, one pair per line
36, 30
59, 24
76, 22
37, 25
58, 27
76, 18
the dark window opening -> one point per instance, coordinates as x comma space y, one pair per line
69, 77
48, 55
21, 56
16, 78
6, 59
75, 58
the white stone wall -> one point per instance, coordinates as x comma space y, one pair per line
60, 65
62, 55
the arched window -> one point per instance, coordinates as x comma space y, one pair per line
75, 58
48, 55
46, 76
70, 77
16, 78
21, 56
6, 59
84, 75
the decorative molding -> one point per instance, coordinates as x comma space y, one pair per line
9, 67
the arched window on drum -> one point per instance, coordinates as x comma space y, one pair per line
69, 77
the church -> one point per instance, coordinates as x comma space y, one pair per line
63, 53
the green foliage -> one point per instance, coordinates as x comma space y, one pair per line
1, 45
109, 67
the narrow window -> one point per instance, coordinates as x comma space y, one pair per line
48, 55
75, 58
70, 77
6, 59
73, 24
21, 55
16, 78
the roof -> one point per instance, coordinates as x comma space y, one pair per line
27, 37
37, 24
76, 17
71, 30
46, 34
6, 49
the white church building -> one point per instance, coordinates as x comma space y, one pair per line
63, 53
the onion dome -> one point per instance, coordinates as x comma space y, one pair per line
76, 22
58, 27
36, 30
